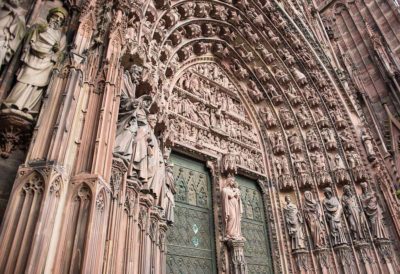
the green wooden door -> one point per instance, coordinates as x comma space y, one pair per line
254, 229
190, 242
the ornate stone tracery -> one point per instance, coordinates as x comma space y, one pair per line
242, 85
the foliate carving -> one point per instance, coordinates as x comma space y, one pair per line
12, 29
294, 224
34, 185
333, 214
100, 201
55, 186
314, 220
130, 199
353, 214
373, 212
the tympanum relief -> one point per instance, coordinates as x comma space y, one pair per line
208, 114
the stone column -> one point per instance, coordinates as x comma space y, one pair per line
237, 262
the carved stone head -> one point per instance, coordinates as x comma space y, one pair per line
56, 17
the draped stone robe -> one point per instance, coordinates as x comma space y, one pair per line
38, 62
232, 208
333, 212
12, 31
293, 222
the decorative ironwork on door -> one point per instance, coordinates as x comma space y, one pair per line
190, 242
256, 248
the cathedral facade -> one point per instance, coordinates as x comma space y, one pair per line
180, 137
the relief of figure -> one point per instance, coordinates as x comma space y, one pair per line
368, 145
303, 116
314, 220
169, 200
43, 49
320, 170
294, 142
312, 140
277, 143
300, 78
352, 213
294, 222
339, 170
12, 29
286, 118
333, 214
232, 209
329, 139
373, 212
267, 117
293, 96
254, 93
282, 169
347, 141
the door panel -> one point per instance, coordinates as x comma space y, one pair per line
190, 242
254, 229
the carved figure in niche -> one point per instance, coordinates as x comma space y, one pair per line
373, 212
320, 170
294, 142
333, 214
232, 209
44, 46
143, 141
368, 145
261, 74
277, 143
170, 191
238, 70
278, 21
188, 109
126, 132
329, 139
295, 41
318, 77
258, 19
12, 29
287, 57
294, 223
304, 117
202, 9
246, 55
307, 58
220, 50
356, 166
273, 39
300, 78
286, 118
340, 123
266, 55
251, 36
234, 17
271, 90
284, 178
352, 213
254, 93
304, 179
339, 170
314, 220
282, 77
312, 140
320, 118
347, 141
268, 118
293, 96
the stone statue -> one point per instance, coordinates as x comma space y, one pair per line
314, 220
294, 223
333, 214
169, 201
368, 145
45, 44
352, 213
373, 212
12, 29
232, 209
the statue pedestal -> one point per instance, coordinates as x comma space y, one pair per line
15, 130
237, 262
